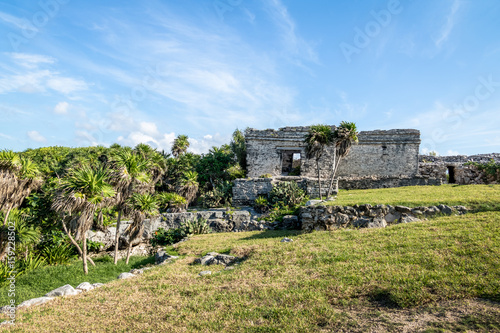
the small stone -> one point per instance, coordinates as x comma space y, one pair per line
35, 301
125, 276
445, 209
136, 271
97, 285
286, 240
84, 286
228, 268
224, 259
203, 273
65, 290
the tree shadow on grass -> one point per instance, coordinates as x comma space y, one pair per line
275, 234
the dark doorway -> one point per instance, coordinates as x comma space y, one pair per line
290, 162
451, 174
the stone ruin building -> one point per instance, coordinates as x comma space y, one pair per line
381, 158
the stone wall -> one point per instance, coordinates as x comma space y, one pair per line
220, 220
366, 216
391, 153
441, 167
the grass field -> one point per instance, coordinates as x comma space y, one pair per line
439, 275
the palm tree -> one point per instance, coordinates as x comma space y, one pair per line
18, 178
318, 137
129, 176
344, 135
83, 191
25, 235
189, 186
142, 206
180, 145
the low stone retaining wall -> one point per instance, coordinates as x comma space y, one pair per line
245, 191
366, 216
220, 220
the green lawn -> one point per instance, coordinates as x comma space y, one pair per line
478, 197
435, 276
40, 281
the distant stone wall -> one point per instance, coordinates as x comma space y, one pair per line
391, 153
219, 220
366, 216
443, 167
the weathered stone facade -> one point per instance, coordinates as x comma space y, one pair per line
391, 153
380, 159
451, 169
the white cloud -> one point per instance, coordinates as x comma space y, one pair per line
5, 136
66, 85
36, 136
61, 108
19, 23
149, 128
31, 60
450, 23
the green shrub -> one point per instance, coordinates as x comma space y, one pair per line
266, 175
164, 237
196, 227
261, 205
287, 194
59, 255
220, 196
491, 168
235, 172
171, 201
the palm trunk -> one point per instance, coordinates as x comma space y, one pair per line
333, 173
319, 179
84, 255
128, 251
7, 215
80, 252
117, 236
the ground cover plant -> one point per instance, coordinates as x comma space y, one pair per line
38, 282
437, 275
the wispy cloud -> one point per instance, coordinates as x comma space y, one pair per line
61, 108
14, 21
294, 44
36, 136
449, 24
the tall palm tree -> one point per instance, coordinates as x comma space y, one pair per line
189, 186
318, 137
130, 175
180, 145
344, 135
83, 191
142, 206
18, 178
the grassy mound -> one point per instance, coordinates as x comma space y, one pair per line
428, 273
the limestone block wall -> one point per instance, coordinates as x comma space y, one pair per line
391, 153
441, 167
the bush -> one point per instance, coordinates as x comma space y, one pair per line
220, 196
266, 175
164, 237
196, 227
172, 201
59, 255
287, 194
261, 205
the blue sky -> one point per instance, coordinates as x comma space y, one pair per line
81, 73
